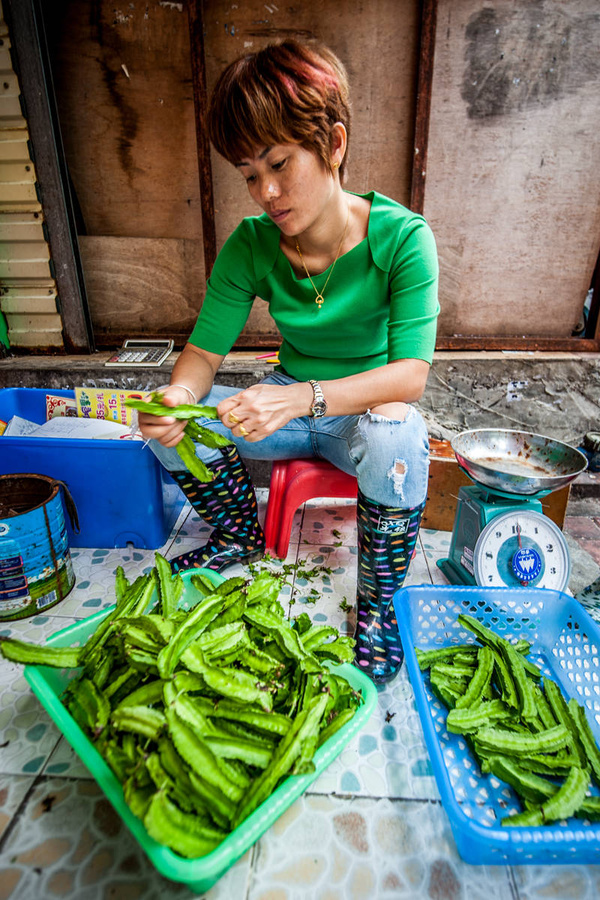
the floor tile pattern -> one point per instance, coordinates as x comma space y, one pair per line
371, 826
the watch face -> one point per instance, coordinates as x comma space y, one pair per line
522, 549
318, 409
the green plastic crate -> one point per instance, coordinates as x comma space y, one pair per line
199, 874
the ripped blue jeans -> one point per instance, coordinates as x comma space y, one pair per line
389, 458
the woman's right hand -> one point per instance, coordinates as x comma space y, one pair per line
167, 430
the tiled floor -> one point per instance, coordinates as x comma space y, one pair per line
371, 826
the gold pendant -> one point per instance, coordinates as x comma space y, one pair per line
319, 300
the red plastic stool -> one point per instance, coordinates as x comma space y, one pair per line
293, 481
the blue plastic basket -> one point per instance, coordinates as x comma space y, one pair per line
566, 646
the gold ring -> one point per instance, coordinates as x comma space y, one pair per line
233, 418
243, 431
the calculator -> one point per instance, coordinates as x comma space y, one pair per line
141, 353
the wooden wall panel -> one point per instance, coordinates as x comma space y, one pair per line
377, 41
123, 82
141, 286
122, 77
513, 175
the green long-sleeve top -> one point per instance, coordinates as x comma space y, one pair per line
380, 304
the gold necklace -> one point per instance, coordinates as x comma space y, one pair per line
320, 299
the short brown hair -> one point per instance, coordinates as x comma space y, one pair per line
289, 92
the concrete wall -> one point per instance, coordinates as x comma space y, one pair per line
555, 395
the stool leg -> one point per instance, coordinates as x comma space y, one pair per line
287, 514
273, 514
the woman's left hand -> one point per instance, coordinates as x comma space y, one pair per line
260, 410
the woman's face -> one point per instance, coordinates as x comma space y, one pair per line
290, 184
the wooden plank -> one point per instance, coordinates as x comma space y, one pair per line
24, 251
33, 321
10, 107
37, 340
24, 226
44, 303
123, 88
423, 104
16, 173
207, 203
513, 182
140, 286
14, 145
12, 122
27, 282
23, 194
10, 84
526, 344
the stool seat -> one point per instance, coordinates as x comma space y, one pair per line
293, 482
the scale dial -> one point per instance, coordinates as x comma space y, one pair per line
522, 548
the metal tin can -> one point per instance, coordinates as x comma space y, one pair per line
36, 571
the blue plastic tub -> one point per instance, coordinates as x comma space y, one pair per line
566, 647
121, 491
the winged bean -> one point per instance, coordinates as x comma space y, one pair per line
527, 784
185, 833
568, 798
336, 723
155, 406
480, 680
427, 658
200, 757
39, 655
191, 629
463, 720
586, 737
185, 449
283, 759
145, 695
89, 706
170, 587
510, 744
139, 720
229, 682
562, 713
524, 687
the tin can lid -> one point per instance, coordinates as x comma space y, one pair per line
592, 441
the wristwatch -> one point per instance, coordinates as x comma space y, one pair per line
319, 406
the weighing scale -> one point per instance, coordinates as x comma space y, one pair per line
501, 536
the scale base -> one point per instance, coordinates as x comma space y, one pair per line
455, 574
476, 507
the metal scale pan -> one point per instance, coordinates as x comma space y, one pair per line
500, 535
517, 462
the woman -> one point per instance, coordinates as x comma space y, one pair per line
351, 281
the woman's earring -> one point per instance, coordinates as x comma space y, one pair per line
336, 165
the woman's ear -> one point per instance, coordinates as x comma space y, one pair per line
338, 143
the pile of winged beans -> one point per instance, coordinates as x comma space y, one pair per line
202, 713
519, 727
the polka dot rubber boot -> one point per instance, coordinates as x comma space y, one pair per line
228, 504
386, 542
